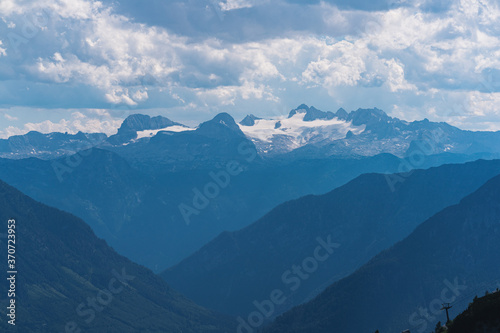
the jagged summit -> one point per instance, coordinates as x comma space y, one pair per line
311, 113
366, 116
46, 146
306, 130
137, 123
140, 122
341, 114
249, 120
222, 124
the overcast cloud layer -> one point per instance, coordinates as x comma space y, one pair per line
70, 65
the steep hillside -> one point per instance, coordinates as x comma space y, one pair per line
482, 315
68, 279
138, 212
449, 258
362, 217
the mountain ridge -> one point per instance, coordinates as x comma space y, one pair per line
306, 130
448, 258
365, 216
70, 280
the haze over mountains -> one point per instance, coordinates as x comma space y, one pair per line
449, 258
306, 131
363, 217
250, 166
148, 197
70, 280
47, 146
237, 215
158, 216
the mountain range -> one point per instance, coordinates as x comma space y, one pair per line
150, 182
449, 258
367, 132
306, 131
127, 206
68, 280
260, 219
363, 217
48, 146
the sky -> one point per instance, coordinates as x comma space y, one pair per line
84, 65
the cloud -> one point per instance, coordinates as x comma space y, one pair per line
3, 52
340, 64
9, 117
87, 121
99, 55
235, 4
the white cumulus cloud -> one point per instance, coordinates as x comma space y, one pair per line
87, 121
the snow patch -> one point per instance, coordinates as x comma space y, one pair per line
300, 132
151, 133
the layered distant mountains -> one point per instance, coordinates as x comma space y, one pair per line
47, 146
314, 222
158, 217
307, 132
157, 190
449, 258
70, 281
362, 218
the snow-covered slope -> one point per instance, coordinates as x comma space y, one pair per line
286, 134
314, 133
306, 133
151, 133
